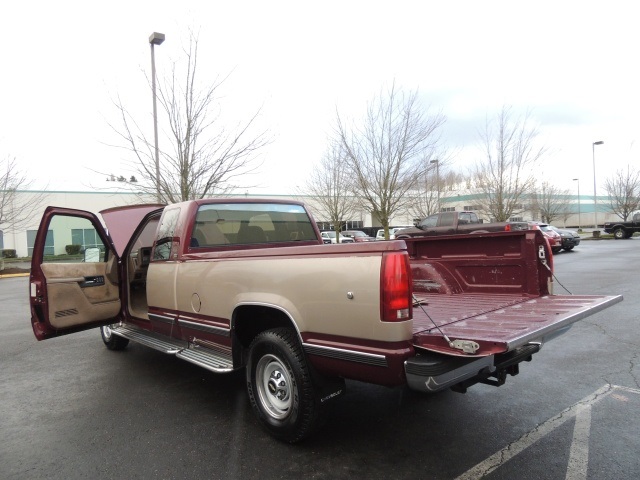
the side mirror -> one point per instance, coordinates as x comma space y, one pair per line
92, 255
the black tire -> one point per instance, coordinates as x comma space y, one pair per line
111, 340
619, 233
280, 386
568, 249
556, 250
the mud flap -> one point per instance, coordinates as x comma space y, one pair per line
328, 389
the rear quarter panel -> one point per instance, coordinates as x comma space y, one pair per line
311, 284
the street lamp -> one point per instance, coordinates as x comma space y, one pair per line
579, 221
437, 179
595, 201
155, 39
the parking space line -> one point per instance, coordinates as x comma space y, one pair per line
579, 452
579, 456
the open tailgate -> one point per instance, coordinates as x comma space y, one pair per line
497, 323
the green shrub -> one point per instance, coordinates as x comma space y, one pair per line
9, 253
73, 249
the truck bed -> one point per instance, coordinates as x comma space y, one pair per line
497, 322
494, 289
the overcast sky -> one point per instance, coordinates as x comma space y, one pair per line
574, 65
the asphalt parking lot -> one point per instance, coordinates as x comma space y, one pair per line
69, 408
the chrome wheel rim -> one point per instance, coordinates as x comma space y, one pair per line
274, 387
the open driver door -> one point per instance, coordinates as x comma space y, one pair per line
74, 281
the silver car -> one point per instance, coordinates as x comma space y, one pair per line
330, 237
570, 238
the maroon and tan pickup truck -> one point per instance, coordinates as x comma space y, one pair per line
232, 284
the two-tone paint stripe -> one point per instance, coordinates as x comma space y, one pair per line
194, 325
344, 354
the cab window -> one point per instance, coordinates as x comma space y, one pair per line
431, 221
164, 245
447, 219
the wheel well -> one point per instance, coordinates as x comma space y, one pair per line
250, 320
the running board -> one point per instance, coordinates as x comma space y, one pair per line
203, 357
150, 340
207, 359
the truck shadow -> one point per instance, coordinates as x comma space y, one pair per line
197, 424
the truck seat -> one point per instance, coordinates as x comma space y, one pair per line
207, 234
251, 234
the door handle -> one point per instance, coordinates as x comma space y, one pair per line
94, 281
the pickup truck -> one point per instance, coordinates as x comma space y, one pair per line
231, 284
455, 223
622, 230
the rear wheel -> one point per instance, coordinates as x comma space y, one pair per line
280, 386
111, 340
619, 233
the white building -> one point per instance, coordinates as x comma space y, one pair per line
22, 240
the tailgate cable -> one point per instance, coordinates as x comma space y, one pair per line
543, 259
467, 346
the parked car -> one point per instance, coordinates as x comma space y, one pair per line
330, 237
357, 235
392, 233
554, 238
570, 238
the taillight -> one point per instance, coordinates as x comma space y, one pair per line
507, 228
395, 287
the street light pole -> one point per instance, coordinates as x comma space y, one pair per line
155, 39
595, 201
437, 180
579, 221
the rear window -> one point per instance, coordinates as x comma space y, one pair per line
250, 223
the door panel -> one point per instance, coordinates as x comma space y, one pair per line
79, 293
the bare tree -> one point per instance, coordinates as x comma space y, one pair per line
389, 152
551, 202
623, 189
16, 211
429, 193
200, 156
505, 176
330, 186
